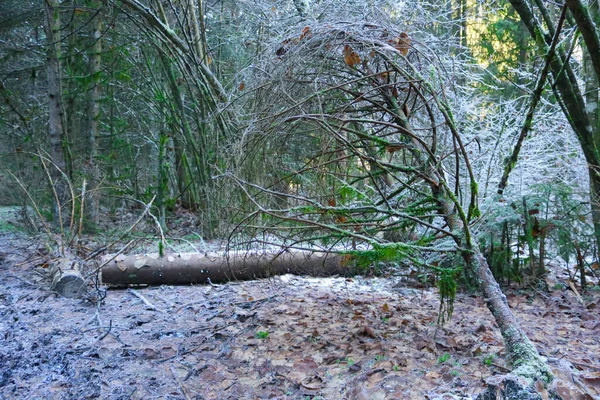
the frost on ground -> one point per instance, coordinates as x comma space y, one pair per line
287, 338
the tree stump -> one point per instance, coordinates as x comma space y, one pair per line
66, 277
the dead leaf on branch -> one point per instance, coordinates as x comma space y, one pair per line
306, 33
383, 77
393, 148
351, 58
401, 43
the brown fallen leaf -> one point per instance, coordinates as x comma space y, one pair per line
365, 330
592, 378
354, 368
149, 354
306, 365
420, 343
312, 383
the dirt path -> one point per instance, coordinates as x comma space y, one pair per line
285, 338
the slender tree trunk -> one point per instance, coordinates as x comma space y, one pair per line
93, 118
55, 110
463, 23
183, 180
535, 98
591, 77
163, 179
521, 352
199, 45
580, 114
592, 94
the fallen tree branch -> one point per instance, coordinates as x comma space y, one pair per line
144, 300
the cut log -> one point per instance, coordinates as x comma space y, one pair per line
66, 277
186, 268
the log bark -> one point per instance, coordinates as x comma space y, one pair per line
186, 268
66, 277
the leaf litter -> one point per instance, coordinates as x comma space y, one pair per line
288, 337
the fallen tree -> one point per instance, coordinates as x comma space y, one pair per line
361, 123
186, 268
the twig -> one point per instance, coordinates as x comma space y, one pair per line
189, 304
160, 230
81, 208
94, 328
195, 371
296, 384
95, 317
585, 365
215, 315
502, 367
183, 389
535, 98
186, 242
574, 289
255, 301
539, 292
107, 331
210, 282
95, 271
102, 249
214, 330
144, 299
30, 261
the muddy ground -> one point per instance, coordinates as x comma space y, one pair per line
287, 337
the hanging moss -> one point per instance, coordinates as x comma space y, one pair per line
447, 286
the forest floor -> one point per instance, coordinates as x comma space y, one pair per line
288, 337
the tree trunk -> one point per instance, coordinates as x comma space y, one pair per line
55, 110
581, 115
93, 119
162, 189
187, 268
520, 351
196, 28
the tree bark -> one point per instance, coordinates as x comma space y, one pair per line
55, 109
588, 30
93, 118
187, 268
